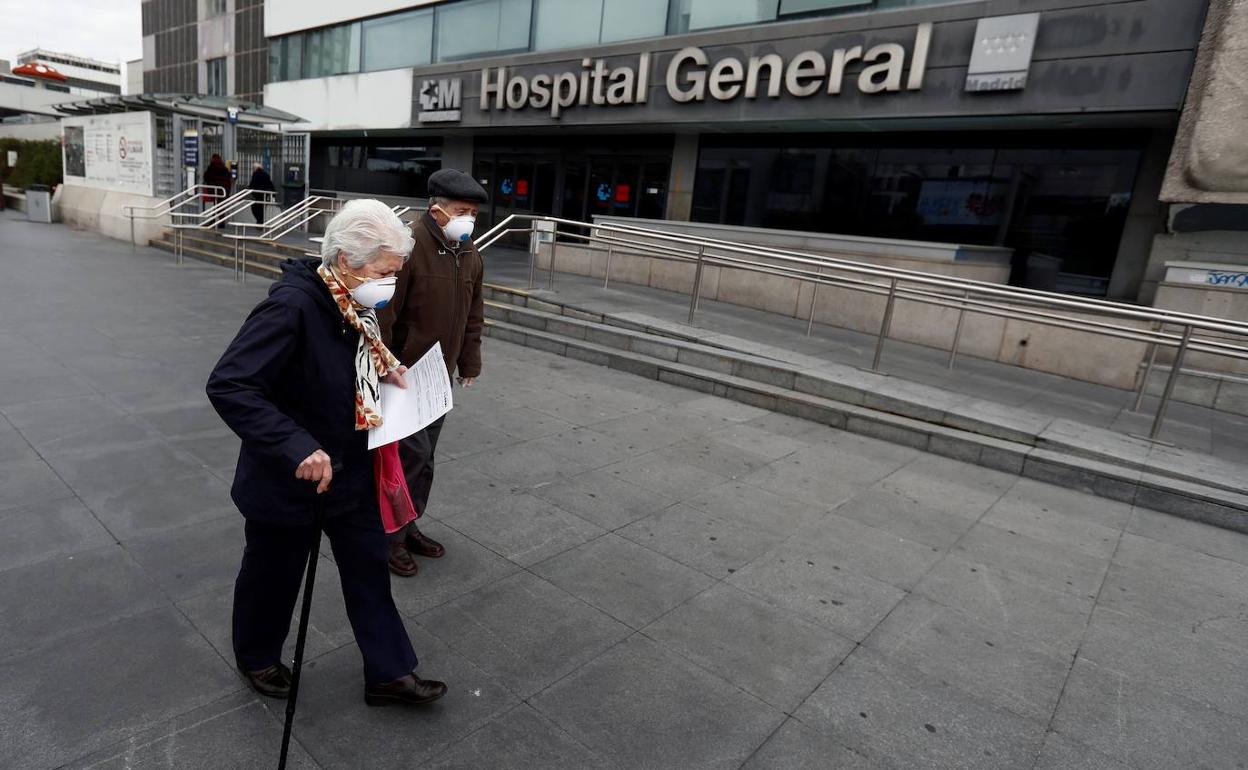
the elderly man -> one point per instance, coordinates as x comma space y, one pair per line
438, 299
299, 385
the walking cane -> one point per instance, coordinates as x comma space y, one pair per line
318, 522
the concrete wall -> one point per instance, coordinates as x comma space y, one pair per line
1219, 246
29, 131
87, 208
1067, 352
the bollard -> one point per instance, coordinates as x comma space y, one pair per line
814, 294
957, 332
697, 284
885, 324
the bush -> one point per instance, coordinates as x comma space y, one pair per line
38, 162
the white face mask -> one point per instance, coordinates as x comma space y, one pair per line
459, 229
375, 293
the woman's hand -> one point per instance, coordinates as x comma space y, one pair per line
396, 377
316, 468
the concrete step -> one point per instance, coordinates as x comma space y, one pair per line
1061, 451
263, 267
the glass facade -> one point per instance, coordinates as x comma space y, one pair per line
1057, 195
377, 166
465, 29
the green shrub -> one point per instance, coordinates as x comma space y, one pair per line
38, 162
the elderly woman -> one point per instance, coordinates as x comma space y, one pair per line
299, 385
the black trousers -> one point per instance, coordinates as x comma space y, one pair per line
268, 586
257, 211
416, 454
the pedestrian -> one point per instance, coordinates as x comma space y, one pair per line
217, 175
260, 180
437, 299
299, 385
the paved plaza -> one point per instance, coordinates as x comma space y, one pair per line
637, 576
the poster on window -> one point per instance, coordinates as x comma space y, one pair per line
961, 202
110, 152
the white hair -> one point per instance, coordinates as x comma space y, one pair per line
362, 230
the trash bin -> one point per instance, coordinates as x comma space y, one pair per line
39, 203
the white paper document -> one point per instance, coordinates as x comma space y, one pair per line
426, 398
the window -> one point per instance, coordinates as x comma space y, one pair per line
216, 85
633, 19
807, 6
216, 8
691, 15
566, 23
402, 40
331, 51
473, 27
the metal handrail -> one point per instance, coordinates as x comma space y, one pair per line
963, 295
212, 216
278, 227
168, 205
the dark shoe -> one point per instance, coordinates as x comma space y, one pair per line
410, 690
422, 545
401, 562
272, 682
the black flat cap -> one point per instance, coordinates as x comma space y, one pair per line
455, 185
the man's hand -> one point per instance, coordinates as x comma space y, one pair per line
396, 377
467, 381
316, 468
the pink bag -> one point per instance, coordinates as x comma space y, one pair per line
393, 496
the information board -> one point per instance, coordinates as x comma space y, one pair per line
110, 152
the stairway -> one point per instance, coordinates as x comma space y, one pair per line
1063, 452
211, 246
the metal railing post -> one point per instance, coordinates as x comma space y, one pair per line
957, 332
697, 284
242, 250
1175, 370
814, 295
885, 324
535, 247
1148, 371
606, 277
133, 248
554, 247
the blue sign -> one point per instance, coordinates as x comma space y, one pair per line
604, 192
506, 187
190, 151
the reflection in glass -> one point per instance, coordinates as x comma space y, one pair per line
566, 23
633, 19
690, 15
482, 26
401, 40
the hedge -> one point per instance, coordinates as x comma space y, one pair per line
38, 162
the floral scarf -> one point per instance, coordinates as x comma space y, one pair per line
373, 360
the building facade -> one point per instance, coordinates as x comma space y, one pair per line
212, 47
83, 76
1041, 125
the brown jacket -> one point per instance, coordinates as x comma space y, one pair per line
437, 299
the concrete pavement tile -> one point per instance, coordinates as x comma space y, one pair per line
459, 487
922, 519
29, 482
115, 468
641, 433
714, 544
63, 595
1176, 586
520, 738
820, 590
771, 653
524, 528
463, 437
667, 472
160, 502
1178, 659
1111, 514
723, 409
340, 731
1054, 526
218, 449
28, 390
719, 456
632, 584
641, 706
524, 465
753, 437
998, 599
784, 425
1033, 561
89, 691
585, 446
96, 438
514, 419
13, 446
465, 567
901, 718
605, 499
1009, 671
238, 730
524, 631
1062, 754
796, 747
1200, 537
809, 480
51, 529
757, 508
1143, 726
194, 559
182, 420
862, 549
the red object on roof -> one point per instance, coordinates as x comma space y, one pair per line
38, 70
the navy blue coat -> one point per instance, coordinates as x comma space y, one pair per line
286, 386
